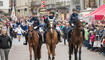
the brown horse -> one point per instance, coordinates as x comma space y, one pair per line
51, 40
75, 39
34, 44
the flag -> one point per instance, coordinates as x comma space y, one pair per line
13, 16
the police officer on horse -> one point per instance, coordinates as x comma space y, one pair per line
51, 16
73, 18
36, 24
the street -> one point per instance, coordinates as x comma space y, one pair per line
21, 52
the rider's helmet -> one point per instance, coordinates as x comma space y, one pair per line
34, 13
74, 9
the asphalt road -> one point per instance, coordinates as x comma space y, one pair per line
21, 52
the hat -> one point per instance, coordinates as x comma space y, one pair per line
34, 13
74, 9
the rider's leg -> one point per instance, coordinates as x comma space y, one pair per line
40, 37
26, 39
45, 36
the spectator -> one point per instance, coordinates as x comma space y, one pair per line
5, 45
65, 31
86, 37
92, 39
74, 17
19, 32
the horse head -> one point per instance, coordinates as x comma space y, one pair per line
30, 26
78, 25
30, 29
51, 25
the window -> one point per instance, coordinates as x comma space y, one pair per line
91, 3
1, 3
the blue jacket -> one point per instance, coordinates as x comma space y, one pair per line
35, 20
73, 18
25, 28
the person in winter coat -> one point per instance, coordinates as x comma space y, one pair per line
36, 24
5, 45
65, 31
74, 17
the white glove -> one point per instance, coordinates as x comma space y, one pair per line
72, 24
35, 27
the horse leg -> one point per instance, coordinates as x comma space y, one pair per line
30, 49
75, 51
70, 52
39, 52
80, 53
35, 52
53, 52
49, 58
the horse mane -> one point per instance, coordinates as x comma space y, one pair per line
77, 28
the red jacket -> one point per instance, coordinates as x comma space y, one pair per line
92, 38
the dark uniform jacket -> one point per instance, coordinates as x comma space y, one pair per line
73, 18
35, 20
5, 42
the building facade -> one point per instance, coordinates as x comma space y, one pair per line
4, 6
22, 7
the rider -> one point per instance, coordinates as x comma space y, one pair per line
74, 17
36, 23
51, 16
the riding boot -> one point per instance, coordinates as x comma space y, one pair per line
26, 39
45, 37
40, 38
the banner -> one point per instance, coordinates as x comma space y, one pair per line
4, 4
13, 16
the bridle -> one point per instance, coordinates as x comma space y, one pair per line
51, 25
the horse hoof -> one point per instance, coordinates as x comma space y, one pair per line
53, 58
38, 58
49, 58
35, 59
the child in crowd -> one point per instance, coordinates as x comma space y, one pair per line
92, 39
19, 32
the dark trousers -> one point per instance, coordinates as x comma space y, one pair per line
65, 38
4, 54
26, 37
86, 43
40, 37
